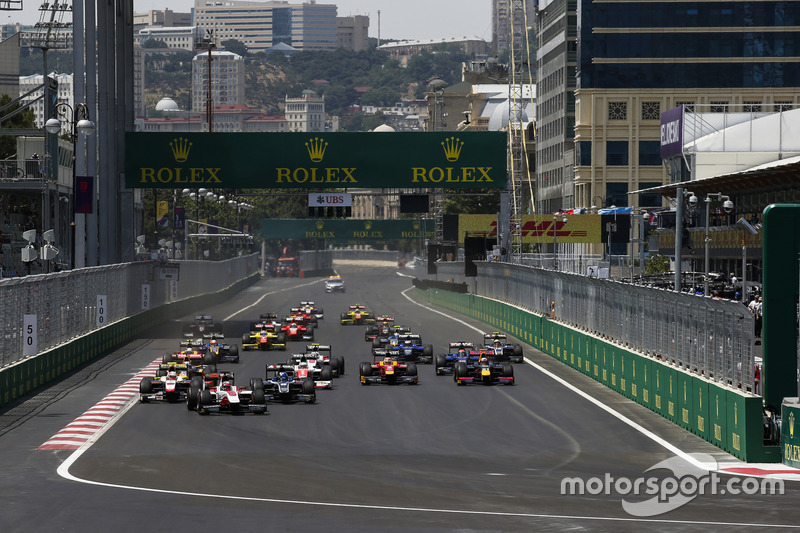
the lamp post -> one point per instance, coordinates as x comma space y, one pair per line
555, 242
79, 124
727, 205
642, 217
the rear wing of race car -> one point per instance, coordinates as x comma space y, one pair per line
457, 345
307, 304
318, 348
357, 307
488, 338
214, 378
280, 367
203, 317
191, 344
409, 337
268, 316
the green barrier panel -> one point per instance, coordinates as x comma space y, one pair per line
595, 359
737, 415
685, 400
626, 372
701, 402
665, 391
604, 361
5, 389
614, 368
790, 432
642, 390
718, 415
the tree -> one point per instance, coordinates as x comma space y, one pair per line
235, 46
24, 119
154, 43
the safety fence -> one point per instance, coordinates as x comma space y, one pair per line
710, 337
44, 311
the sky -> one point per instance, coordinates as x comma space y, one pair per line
400, 19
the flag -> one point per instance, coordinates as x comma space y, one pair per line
162, 214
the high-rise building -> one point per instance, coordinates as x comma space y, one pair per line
227, 80
352, 33
65, 94
262, 25
607, 70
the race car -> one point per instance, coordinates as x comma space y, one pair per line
406, 347
383, 327
266, 320
357, 315
484, 371
295, 328
221, 352
386, 369
266, 338
202, 325
310, 308
216, 393
284, 386
171, 383
303, 369
460, 351
502, 350
322, 354
190, 353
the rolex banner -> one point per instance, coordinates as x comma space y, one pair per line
343, 231
318, 160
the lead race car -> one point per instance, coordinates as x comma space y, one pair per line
202, 325
385, 369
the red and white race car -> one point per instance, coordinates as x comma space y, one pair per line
386, 369
297, 329
216, 393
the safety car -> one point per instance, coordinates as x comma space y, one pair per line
386, 369
334, 284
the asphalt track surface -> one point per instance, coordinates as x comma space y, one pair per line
430, 457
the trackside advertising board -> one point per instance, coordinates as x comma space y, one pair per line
538, 228
357, 231
318, 160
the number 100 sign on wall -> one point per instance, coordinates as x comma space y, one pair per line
102, 303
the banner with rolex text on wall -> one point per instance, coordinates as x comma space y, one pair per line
319, 160
348, 231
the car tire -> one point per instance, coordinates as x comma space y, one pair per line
209, 359
460, 370
411, 369
439, 363
259, 398
308, 387
427, 350
365, 369
166, 358
145, 386
204, 398
326, 373
376, 343
508, 371
340, 364
256, 384
234, 349
281, 338
194, 394
517, 350
245, 340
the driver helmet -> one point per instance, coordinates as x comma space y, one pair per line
172, 375
387, 359
284, 376
226, 385
497, 343
462, 351
213, 341
484, 360
303, 364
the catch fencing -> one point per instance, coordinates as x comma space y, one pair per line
66, 303
712, 338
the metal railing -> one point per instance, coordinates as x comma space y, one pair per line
65, 303
711, 337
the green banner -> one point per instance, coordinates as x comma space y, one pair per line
343, 231
316, 160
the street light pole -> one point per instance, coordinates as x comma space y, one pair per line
79, 124
555, 243
727, 205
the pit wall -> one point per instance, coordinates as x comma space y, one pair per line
29, 374
724, 417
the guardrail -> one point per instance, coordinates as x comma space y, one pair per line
710, 337
66, 304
